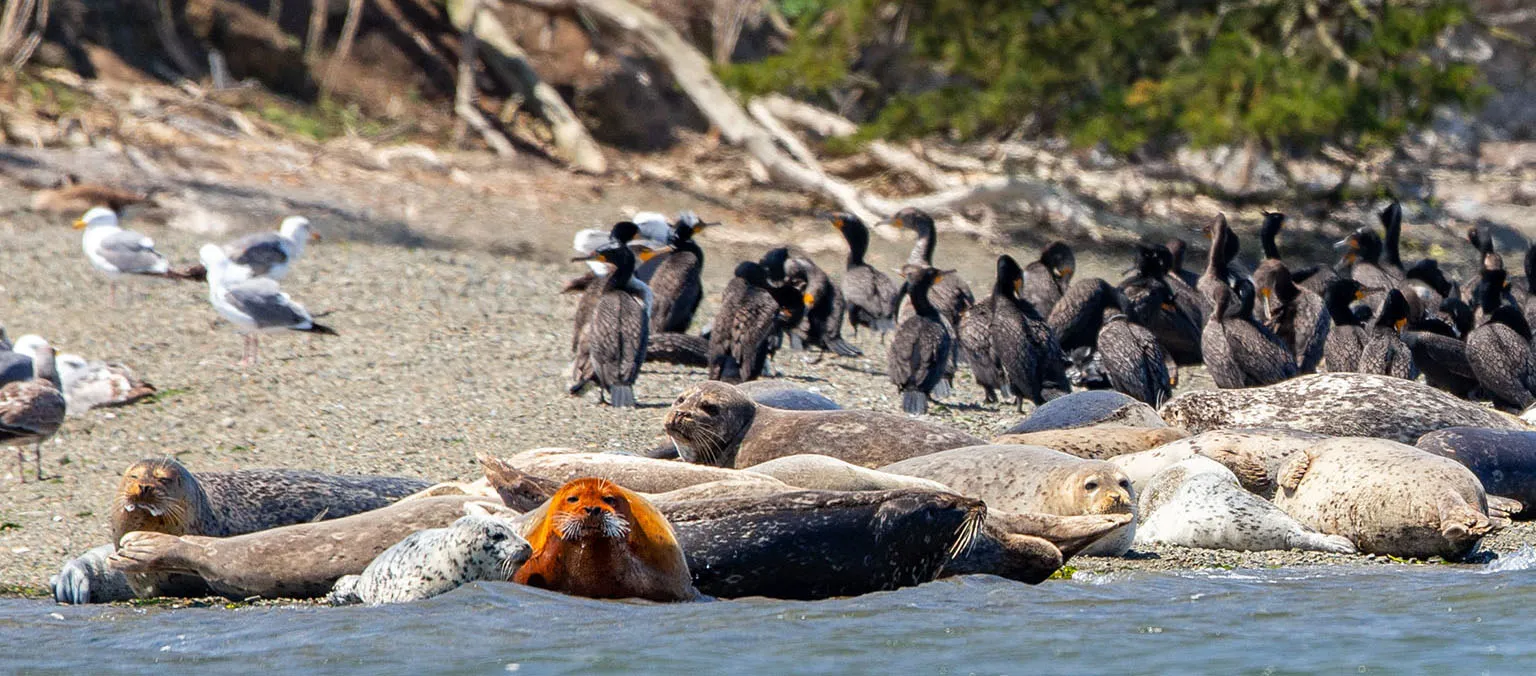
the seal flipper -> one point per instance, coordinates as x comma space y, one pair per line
1069, 534
87, 579
1311, 540
1295, 470
1501, 510
1251, 473
518, 490
345, 591
1022, 558
1462, 524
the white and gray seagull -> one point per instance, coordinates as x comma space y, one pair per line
253, 305
269, 254
119, 252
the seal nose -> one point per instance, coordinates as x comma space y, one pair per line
594, 511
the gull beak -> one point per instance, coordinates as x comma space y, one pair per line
314, 236
79, 224
1359, 294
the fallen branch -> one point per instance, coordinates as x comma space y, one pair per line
827, 124
465, 88
792, 143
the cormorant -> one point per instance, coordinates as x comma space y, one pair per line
1150, 291
871, 294
1499, 349
612, 343
1362, 259
951, 295
1133, 359
1047, 279
1341, 351
675, 279
1296, 315
921, 345
752, 314
822, 325
1239, 352
1385, 353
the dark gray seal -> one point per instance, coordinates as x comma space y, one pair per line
783, 395
1504, 460
160, 495
713, 423
479, 546
1086, 409
1336, 404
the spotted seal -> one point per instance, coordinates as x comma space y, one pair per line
1387, 498
478, 546
1100, 442
1199, 503
783, 395
820, 472
1086, 409
1503, 460
1254, 454
1033, 479
299, 562
161, 495
713, 423
1336, 404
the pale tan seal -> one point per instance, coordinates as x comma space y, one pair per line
715, 424
1033, 479
1199, 503
300, 561
1100, 442
1336, 404
1387, 498
820, 472
1254, 454
644, 475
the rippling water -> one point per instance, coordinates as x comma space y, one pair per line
1291, 620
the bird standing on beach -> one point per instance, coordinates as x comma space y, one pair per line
612, 345
269, 254
31, 411
922, 344
253, 305
871, 294
118, 252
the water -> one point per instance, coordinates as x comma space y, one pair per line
1283, 621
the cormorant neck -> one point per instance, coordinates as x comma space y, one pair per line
858, 244
922, 249
920, 302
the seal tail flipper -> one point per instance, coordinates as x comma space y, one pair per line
843, 349
142, 552
1319, 542
914, 402
623, 396
1503, 509
1251, 473
519, 490
1461, 523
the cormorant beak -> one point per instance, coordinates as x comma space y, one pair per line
1170, 307
1064, 272
1359, 294
1400, 323
938, 278
1018, 285
79, 224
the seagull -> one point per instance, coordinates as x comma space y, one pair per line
31, 411
16, 363
269, 254
119, 252
253, 305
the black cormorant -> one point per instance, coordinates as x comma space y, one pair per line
922, 344
871, 294
613, 341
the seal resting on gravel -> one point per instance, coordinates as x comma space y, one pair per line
1033, 479
1086, 409
1100, 442
1387, 498
301, 561
1254, 455
823, 473
1336, 404
1199, 503
600, 540
640, 474
1503, 460
479, 546
160, 495
713, 423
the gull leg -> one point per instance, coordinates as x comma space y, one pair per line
256, 347
21, 465
37, 458
245, 351
112, 294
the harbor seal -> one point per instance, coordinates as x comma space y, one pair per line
1336, 404
301, 561
1100, 442
1387, 498
1086, 409
600, 540
481, 545
820, 472
161, 495
1254, 454
643, 475
782, 395
1033, 479
1503, 460
1199, 503
713, 423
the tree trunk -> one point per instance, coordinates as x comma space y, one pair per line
319, 11
510, 63
348, 36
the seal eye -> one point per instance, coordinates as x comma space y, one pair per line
498, 537
611, 500
1092, 486
710, 409
572, 499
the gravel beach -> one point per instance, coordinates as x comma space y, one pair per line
444, 352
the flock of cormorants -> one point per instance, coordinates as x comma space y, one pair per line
1040, 333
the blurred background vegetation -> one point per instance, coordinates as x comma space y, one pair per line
1130, 75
